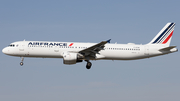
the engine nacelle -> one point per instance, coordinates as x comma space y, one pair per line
71, 58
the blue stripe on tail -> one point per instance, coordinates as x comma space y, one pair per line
163, 33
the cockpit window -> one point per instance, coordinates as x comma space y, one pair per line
11, 45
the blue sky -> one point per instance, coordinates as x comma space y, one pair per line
88, 21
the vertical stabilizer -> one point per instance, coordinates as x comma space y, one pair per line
165, 35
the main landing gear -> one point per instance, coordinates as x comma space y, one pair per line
22, 59
88, 65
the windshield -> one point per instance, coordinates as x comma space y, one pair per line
11, 45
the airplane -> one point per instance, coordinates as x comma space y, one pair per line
75, 52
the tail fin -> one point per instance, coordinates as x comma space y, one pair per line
165, 35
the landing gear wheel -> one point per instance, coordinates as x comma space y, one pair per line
21, 63
88, 65
22, 59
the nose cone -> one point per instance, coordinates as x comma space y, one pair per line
5, 50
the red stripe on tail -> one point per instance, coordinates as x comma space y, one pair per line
165, 41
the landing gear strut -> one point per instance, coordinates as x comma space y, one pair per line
22, 59
88, 65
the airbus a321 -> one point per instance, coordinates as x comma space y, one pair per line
75, 52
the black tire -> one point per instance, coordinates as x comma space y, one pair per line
21, 63
88, 65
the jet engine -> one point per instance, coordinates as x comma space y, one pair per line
72, 58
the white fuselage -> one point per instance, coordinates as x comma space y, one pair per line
43, 49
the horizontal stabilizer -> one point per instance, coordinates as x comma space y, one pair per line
167, 48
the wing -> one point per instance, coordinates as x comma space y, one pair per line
93, 50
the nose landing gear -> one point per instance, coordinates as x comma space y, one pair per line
22, 59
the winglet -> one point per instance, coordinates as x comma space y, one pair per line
108, 41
